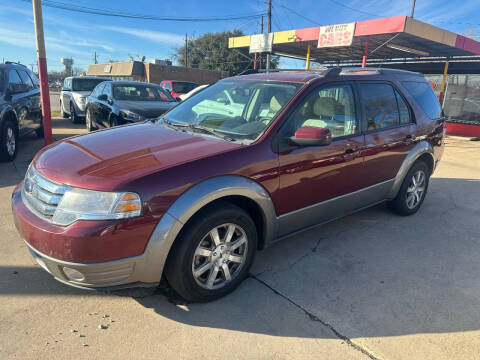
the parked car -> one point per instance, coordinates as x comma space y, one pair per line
20, 107
121, 102
194, 195
177, 88
74, 94
192, 92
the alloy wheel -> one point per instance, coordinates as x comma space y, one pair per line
10, 141
416, 189
220, 256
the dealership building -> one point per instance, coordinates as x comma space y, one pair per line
451, 62
153, 73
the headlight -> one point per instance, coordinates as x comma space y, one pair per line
81, 204
80, 99
128, 115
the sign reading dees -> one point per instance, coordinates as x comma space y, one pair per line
336, 35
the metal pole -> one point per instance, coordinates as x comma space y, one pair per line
307, 63
260, 55
365, 53
269, 15
444, 78
42, 70
413, 8
186, 50
255, 62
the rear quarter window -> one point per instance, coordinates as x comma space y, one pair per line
425, 97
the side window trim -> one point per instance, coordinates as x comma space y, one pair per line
364, 118
410, 112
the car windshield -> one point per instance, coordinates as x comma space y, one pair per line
183, 87
133, 92
2, 79
85, 84
242, 109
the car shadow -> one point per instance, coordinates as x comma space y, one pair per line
371, 274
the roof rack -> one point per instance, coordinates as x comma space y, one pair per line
14, 63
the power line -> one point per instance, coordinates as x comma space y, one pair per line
354, 9
121, 14
300, 15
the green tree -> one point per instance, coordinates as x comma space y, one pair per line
210, 51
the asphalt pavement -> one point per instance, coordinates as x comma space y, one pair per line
369, 286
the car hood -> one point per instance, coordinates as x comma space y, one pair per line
108, 159
147, 109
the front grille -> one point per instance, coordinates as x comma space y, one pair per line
40, 195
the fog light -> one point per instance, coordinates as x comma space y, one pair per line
73, 274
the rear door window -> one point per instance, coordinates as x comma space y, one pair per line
423, 94
403, 110
26, 79
380, 105
14, 81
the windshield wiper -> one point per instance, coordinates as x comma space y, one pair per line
197, 128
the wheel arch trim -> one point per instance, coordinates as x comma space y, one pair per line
189, 203
421, 148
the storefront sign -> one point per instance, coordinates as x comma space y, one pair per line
336, 35
261, 43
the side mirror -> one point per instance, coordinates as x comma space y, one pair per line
311, 136
18, 88
178, 99
102, 97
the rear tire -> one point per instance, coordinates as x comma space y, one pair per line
413, 190
203, 267
40, 131
8, 141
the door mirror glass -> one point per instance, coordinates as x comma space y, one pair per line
103, 97
311, 136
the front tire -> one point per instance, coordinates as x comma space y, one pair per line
213, 254
64, 114
73, 114
88, 121
413, 190
8, 141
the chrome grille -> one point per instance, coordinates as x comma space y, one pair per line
40, 195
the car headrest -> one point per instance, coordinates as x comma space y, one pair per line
277, 101
325, 106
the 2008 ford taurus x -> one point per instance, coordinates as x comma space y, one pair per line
193, 195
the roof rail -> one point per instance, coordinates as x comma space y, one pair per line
14, 63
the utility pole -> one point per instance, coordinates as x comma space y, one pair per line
269, 15
42, 70
260, 54
95, 58
413, 8
186, 50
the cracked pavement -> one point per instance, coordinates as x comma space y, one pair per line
369, 286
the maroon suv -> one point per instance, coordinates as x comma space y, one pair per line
193, 195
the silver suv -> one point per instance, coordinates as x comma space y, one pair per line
75, 92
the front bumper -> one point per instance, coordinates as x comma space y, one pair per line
109, 254
109, 275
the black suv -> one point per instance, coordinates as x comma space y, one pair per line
20, 107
